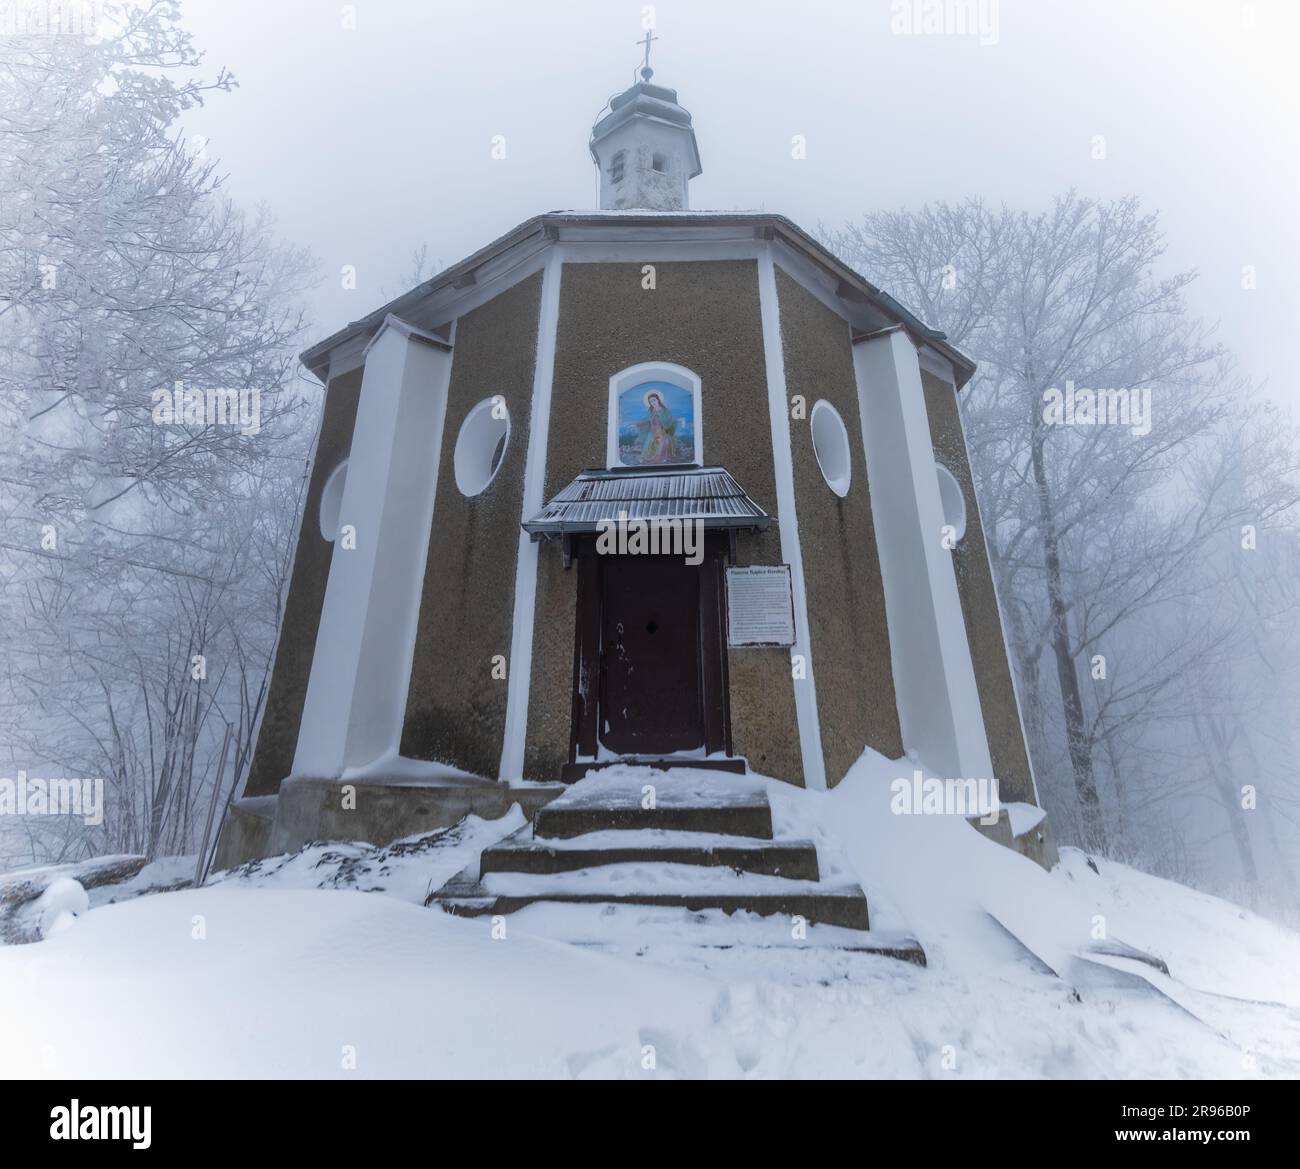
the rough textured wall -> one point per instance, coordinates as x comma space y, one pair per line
277, 738
846, 598
703, 315
455, 709
550, 692
764, 725
979, 604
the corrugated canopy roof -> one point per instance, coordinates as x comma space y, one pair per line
708, 494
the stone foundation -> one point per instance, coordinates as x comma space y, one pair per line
372, 811
1036, 843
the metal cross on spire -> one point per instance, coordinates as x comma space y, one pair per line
646, 71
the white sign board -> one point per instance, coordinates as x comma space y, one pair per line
760, 605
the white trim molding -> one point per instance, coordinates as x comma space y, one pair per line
519, 677
408, 330
805, 689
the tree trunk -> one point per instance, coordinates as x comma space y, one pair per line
1120, 787
1229, 796
1085, 784
1270, 828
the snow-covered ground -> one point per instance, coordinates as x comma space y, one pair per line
325, 964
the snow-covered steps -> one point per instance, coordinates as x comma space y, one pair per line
522, 852
687, 801
686, 840
656, 883
681, 938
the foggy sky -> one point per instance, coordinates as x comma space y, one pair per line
368, 142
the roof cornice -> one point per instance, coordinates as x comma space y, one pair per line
851, 285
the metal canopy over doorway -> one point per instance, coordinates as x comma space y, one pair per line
649, 660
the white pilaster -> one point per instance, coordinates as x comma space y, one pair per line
539, 426
934, 679
778, 400
356, 695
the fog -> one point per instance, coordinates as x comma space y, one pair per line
369, 141
229, 601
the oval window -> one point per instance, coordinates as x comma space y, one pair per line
481, 446
830, 438
331, 501
954, 502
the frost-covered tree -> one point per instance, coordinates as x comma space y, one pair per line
1097, 534
136, 539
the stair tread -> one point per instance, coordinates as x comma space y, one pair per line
522, 852
753, 820
625, 790
656, 876
672, 932
835, 907
649, 839
630, 878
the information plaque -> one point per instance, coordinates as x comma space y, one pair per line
760, 606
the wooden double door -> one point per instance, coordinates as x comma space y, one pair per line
650, 670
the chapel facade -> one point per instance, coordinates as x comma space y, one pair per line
640, 483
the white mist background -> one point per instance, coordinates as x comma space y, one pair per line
371, 141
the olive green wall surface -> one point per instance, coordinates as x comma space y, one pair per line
456, 708
277, 738
705, 316
979, 604
846, 599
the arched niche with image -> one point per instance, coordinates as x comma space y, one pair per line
655, 417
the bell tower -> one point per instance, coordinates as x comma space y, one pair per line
644, 147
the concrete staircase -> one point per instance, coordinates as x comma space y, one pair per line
694, 841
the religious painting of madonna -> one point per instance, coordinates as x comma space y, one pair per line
656, 425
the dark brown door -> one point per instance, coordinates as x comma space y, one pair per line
650, 696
